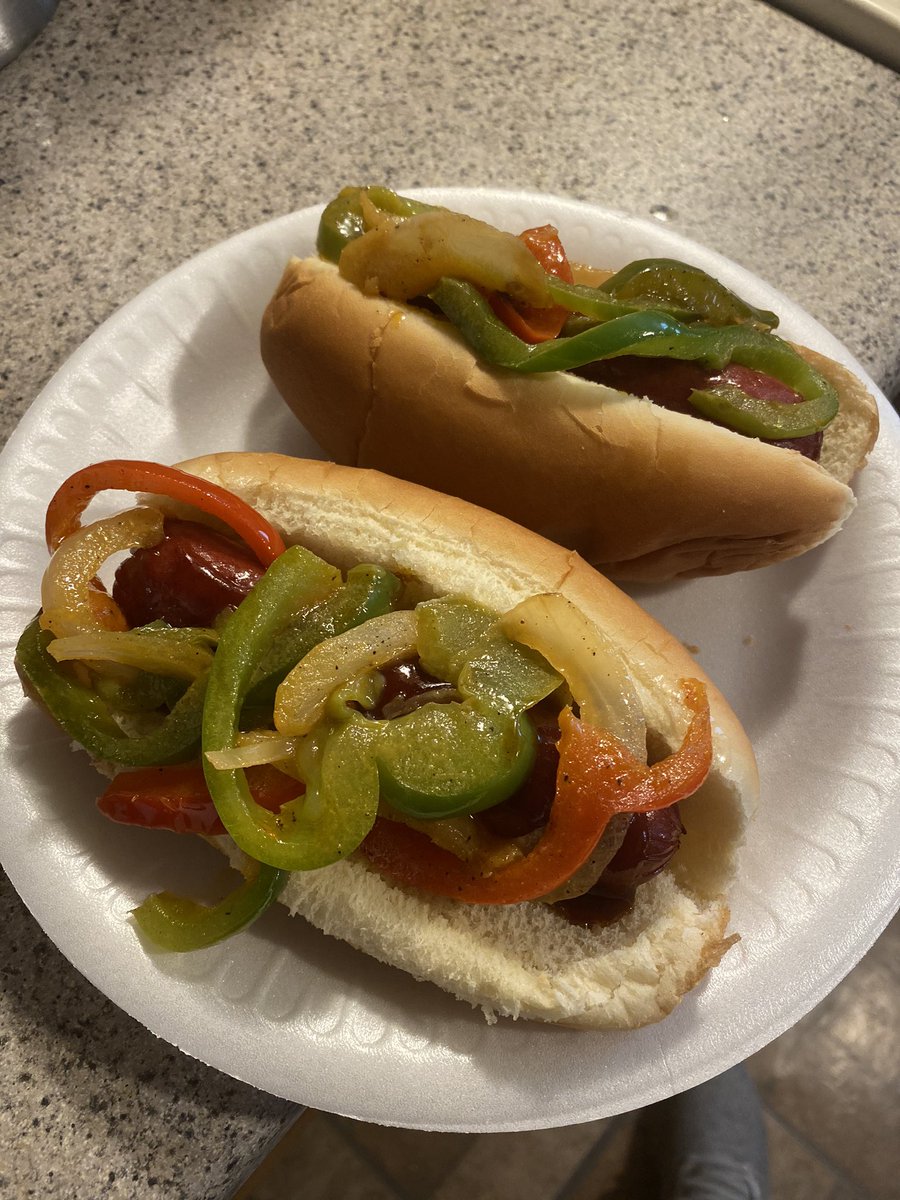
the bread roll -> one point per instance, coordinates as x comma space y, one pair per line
522, 960
640, 492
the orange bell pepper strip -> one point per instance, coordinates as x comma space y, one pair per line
73, 496
597, 777
527, 322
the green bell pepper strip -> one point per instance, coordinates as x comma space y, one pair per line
143, 694
89, 720
461, 641
462, 756
369, 591
765, 418
715, 306
656, 334
440, 760
395, 204
599, 306
445, 760
446, 630
174, 923
492, 341
667, 284
313, 830
343, 220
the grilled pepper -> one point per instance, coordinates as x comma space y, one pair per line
175, 923
89, 719
651, 308
656, 334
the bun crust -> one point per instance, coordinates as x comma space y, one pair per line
525, 959
640, 492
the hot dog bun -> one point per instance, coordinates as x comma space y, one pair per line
640, 492
522, 960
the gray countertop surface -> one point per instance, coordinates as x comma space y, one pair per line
133, 136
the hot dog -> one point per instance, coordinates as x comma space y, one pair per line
390, 350
463, 758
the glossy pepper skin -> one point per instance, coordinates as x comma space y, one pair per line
478, 748
134, 475
444, 760
652, 307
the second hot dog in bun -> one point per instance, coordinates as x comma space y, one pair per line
401, 347
432, 733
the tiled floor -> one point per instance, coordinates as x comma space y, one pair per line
830, 1088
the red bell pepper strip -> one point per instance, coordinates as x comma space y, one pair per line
527, 322
177, 798
633, 786
72, 498
597, 777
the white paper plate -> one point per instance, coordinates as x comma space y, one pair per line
808, 653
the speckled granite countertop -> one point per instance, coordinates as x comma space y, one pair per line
135, 135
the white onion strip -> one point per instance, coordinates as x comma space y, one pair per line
254, 749
407, 258
588, 661
302, 697
148, 651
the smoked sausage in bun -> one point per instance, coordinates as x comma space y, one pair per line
426, 730
650, 420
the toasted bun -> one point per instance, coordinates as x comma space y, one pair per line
524, 959
640, 492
